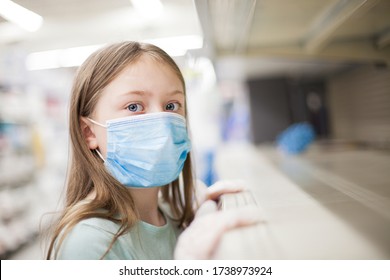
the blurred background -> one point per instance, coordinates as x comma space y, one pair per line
291, 96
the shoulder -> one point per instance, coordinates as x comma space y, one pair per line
89, 239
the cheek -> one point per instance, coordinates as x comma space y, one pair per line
101, 137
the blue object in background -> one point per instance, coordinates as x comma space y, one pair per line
210, 176
296, 138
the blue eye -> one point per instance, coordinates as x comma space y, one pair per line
135, 107
173, 106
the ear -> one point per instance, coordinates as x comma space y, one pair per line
88, 133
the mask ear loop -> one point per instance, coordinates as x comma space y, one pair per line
97, 150
97, 123
100, 155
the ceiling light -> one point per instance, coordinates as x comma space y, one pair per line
59, 58
20, 16
174, 46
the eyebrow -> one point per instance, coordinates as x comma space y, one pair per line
176, 92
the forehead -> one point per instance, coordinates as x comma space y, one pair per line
147, 74
149, 68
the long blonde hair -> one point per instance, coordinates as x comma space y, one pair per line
87, 172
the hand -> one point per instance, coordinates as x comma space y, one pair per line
213, 192
200, 240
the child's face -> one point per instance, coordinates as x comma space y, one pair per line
146, 86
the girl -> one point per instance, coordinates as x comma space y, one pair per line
125, 197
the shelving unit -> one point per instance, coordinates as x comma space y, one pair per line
19, 163
330, 203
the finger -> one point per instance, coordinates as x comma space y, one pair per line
200, 192
246, 216
223, 187
229, 184
207, 207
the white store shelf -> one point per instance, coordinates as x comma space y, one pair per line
312, 209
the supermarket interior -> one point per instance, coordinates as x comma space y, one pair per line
292, 97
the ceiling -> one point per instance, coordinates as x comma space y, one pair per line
301, 36
243, 37
73, 23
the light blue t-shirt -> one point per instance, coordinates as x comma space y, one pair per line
90, 238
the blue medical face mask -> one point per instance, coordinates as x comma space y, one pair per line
146, 150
